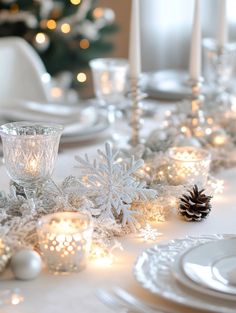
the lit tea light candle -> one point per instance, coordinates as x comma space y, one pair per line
32, 167
65, 240
188, 165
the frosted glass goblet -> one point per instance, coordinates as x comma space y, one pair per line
110, 83
30, 151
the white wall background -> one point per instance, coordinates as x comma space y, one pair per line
166, 30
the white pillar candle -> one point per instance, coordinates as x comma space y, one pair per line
134, 41
195, 49
223, 29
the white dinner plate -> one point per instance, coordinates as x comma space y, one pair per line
168, 84
179, 274
153, 270
213, 265
76, 133
21, 110
81, 122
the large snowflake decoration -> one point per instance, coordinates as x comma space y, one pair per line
112, 186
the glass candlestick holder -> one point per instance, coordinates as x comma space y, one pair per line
188, 165
30, 151
65, 240
219, 67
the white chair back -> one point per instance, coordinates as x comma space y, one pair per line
22, 73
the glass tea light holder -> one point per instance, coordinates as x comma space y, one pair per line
30, 151
65, 239
110, 83
188, 165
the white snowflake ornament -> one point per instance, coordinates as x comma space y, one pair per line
148, 233
112, 186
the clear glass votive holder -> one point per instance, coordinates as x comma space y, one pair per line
110, 80
65, 239
219, 65
30, 151
188, 165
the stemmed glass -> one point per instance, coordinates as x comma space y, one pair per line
30, 151
110, 83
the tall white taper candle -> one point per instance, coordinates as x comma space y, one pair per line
222, 34
195, 49
134, 41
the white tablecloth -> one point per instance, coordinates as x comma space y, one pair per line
76, 293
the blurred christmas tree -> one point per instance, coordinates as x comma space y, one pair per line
65, 33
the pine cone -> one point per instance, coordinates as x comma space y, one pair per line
195, 206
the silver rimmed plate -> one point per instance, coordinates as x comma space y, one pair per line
213, 265
153, 270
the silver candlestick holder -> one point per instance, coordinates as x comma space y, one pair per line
136, 96
196, 116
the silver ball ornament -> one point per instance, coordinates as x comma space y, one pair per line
26, 264
182, 141
218, 138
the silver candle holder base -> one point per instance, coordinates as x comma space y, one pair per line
196, 118
136, 96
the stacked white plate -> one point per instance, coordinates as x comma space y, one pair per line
168, 84
198, 272
81, 122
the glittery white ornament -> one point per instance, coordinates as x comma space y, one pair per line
26, 264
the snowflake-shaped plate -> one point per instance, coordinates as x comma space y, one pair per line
153, 270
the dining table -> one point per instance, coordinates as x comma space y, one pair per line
78, 292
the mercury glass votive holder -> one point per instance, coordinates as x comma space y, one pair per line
65, 239
188, 165
30, 151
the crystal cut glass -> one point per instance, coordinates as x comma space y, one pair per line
30, 151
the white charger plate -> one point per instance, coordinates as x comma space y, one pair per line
212, 265
153, 270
